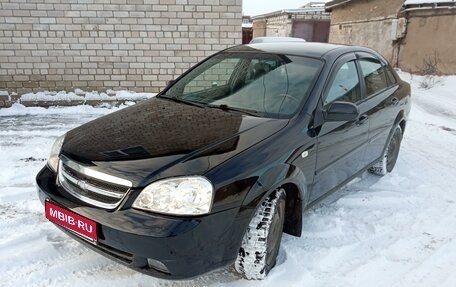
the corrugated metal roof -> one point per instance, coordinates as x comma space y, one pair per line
311, 10
417, 2
334, 3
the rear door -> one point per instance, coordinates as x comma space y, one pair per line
340, 145
378, 86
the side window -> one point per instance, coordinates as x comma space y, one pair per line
345, 85
391, 78
374, 74
216, 76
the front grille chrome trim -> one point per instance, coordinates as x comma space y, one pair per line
88, 171
91, 186
81, 197
84, 185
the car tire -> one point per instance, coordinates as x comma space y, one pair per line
261, 242
389, 158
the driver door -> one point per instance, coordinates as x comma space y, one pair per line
340, 145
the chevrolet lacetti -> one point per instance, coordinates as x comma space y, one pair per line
212, 170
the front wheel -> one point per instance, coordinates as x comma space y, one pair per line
261, 242
388, 161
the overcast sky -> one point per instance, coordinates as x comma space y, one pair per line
256, 7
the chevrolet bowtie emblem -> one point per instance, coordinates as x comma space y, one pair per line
83, 185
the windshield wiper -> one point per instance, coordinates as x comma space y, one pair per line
221, 107
179, 100
241, 110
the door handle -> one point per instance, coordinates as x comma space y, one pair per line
362, 119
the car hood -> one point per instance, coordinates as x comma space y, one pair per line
161, 138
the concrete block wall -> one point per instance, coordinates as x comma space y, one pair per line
433, 31
366, 23
365, 34
109, 44
281, 24
259, 28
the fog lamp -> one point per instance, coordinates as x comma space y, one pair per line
157, 265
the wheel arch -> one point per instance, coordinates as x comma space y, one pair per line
400, 120
294, 182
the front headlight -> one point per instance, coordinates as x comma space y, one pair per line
53, 160
178, 196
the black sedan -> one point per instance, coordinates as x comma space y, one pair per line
226, 158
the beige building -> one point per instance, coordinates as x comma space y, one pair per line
309, 22
430, 38
415, 35
110, 44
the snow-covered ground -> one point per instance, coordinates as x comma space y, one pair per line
80, 95
108, 98
399, 230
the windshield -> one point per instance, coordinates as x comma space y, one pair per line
266, 85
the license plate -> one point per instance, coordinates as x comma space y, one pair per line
72, 221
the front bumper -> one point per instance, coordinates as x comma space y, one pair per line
186, 246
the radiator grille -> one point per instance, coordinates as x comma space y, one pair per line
91, 186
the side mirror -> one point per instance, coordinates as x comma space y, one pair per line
342, 111
169, 83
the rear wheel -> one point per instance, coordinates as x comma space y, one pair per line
388, 161
261, 242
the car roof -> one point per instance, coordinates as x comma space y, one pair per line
275, 39
305, 49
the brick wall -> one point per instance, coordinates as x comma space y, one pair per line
109, 44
